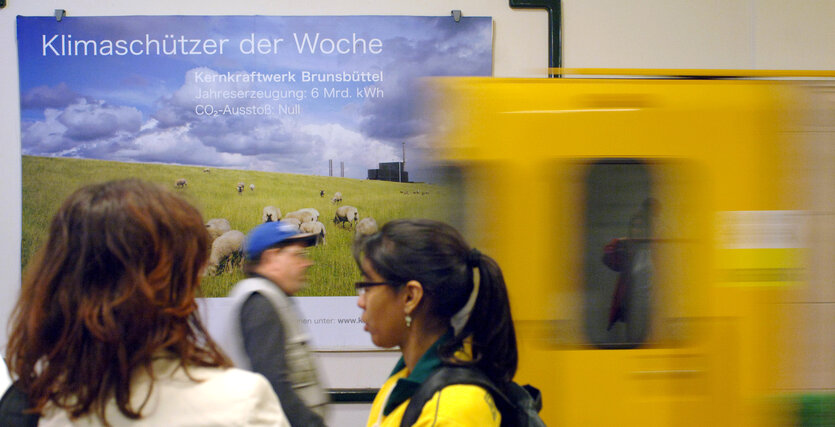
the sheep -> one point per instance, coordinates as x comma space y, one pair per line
270, 214
311, 210
337, 198
301, 215
181, 183
207, 170
240, 187
251, 187
292, 221
226, 252
321, 193
345, 214
315, 227
366, 227
217, 226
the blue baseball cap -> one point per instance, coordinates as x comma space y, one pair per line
271, 234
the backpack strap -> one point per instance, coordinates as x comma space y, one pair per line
12, 407
449, 375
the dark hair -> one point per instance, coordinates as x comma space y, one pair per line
437, 256
112, 288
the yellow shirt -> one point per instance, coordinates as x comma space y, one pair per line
454, 405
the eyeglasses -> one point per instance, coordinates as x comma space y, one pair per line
361, 287
296, 252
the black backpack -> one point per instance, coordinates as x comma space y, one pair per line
519, 405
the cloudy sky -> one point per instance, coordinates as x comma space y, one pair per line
143, 106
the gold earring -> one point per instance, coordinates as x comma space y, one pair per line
408, 321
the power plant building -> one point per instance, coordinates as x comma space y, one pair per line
390, 171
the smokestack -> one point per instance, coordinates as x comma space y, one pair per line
404, 155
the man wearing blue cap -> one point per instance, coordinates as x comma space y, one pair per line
271, 340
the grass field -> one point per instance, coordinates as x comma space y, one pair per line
48, 181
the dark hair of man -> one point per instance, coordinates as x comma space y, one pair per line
112, 288
436, 255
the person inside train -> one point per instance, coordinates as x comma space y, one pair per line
631, 256
106, 329
441, 302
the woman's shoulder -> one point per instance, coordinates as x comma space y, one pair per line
461, 404
239, 393
195, 395
218, 381
215, 374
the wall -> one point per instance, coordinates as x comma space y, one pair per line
740, 34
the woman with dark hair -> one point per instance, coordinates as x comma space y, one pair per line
442, 303
106, 330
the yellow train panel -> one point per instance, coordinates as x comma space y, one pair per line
646, 228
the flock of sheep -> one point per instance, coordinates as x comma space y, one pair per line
227, 244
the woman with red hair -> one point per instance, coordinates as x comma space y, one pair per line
106, 329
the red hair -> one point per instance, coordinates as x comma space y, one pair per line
113, 287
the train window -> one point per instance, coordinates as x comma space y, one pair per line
618, 267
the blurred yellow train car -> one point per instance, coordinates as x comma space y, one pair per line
667, 241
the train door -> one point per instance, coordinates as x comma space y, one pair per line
642, 358
602, 260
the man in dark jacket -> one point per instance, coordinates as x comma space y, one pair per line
272, 341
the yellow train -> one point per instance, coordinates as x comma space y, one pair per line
666, 240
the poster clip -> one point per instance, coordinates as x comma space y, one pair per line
456, 15
60, 14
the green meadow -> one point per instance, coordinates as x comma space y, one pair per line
48, 181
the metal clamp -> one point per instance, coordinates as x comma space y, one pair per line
456, 15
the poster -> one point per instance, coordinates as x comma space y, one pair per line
238, 113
